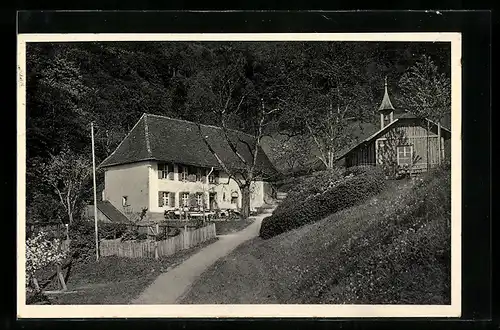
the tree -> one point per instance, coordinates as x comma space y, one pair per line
67, 174
289, 152
219, 94
244, 176
330, 92
426, 92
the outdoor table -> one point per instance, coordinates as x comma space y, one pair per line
200, 214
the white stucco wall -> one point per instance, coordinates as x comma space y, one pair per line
223, 190
131, 180
140, 183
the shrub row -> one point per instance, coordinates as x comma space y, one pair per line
313, 184
352, 187
82, 235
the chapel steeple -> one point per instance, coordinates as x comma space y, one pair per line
386, 109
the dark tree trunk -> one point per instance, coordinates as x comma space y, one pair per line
245, 201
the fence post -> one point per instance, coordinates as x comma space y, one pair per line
61, 278
156, 249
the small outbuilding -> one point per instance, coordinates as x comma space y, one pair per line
403, 141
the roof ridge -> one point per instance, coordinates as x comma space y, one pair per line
146, 133
194, 123
123, 140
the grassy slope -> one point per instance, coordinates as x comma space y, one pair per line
320, 263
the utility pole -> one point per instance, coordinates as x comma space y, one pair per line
95, 195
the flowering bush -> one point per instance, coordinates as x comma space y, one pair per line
41, 252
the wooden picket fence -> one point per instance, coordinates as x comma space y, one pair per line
156, 249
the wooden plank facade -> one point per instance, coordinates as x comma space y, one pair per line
403, 141
383, 147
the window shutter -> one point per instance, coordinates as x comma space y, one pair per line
180, 168
160, 167
172, 199
171, 171
160, 198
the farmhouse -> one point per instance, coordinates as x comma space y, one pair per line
403, 141
164, 164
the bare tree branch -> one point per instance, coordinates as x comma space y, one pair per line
212, 151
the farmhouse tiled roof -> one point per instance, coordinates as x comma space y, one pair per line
168, 139
112, 213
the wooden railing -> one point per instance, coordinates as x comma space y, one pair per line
156, 249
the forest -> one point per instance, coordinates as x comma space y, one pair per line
309, 99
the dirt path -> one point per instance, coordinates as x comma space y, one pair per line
169, 287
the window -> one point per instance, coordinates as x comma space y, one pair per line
163, 199
213, 177
199, 199
166, 198
234, 197
183, 173
185, 199
405, 155
199, 174
165, 171
125, 201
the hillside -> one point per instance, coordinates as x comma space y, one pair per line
112, 84
394, 248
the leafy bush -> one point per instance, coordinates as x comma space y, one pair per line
82, 246
133, 234
350, 188
82, 235
111, 230
307, 186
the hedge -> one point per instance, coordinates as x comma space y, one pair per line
82, 235
310, 185
354, 186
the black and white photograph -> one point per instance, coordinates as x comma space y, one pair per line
218, 174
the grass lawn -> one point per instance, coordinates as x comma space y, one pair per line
115, 280
232, 226
330, 261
